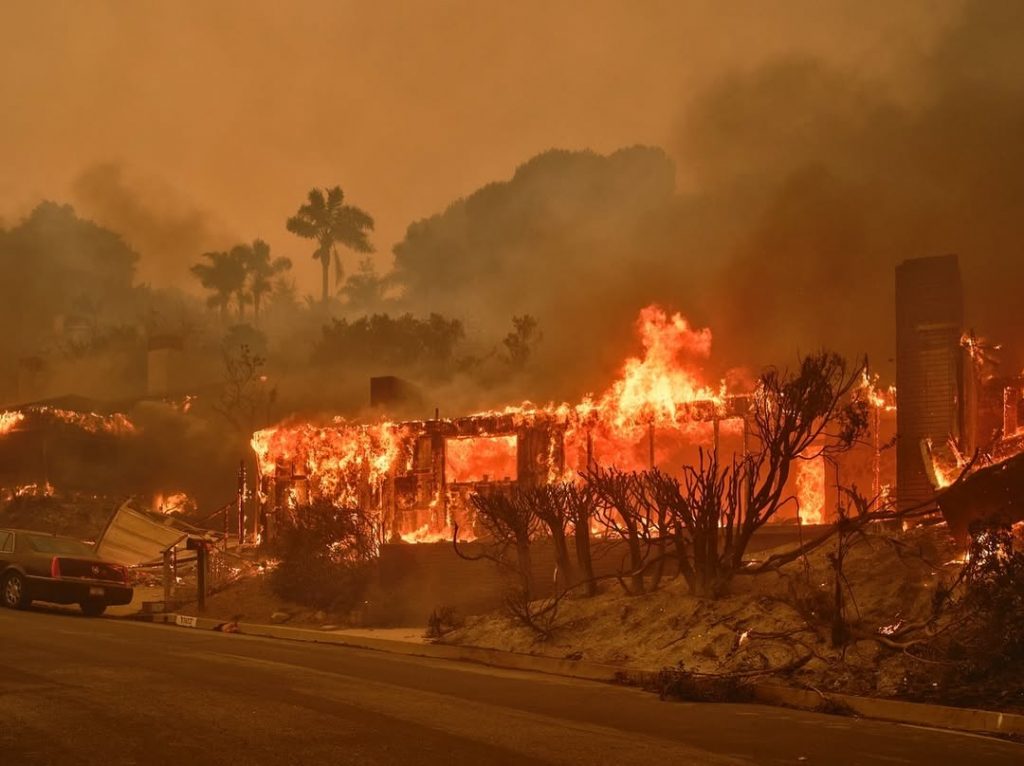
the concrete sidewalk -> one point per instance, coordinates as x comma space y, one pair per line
409, 641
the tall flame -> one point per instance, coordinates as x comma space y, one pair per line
652, 388
810, 490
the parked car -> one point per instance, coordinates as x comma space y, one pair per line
35, 566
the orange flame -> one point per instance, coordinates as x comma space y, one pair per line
338, 459
9, 421
810, 490
480, 458
116, 424
172, 502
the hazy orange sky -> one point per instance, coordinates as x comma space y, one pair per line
220, 115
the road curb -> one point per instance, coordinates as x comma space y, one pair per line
896, 711
589, 671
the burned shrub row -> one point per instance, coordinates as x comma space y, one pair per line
698, 525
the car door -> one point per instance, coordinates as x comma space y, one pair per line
6, 548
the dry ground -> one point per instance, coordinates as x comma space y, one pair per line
759, 625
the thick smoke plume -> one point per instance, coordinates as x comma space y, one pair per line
805, 185
153, 218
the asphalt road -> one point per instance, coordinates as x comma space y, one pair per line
106, 691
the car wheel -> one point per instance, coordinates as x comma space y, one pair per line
93, 608
13, 592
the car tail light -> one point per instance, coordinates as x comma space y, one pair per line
55, 567
124, 574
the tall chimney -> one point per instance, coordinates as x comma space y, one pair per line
929, 368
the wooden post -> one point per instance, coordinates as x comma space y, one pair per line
202, 562
168, 576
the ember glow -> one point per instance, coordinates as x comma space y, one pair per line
9, 421
480, 458
44, 489
810, 490
172, 502
881, 399
116, 424
336, 460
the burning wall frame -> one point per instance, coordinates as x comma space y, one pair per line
417, 498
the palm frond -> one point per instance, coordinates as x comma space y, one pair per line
335, 198
303, 226
316, 200
260, 250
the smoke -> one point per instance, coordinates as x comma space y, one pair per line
159, 222
806, 183
834, 179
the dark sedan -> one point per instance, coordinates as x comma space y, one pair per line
39, 567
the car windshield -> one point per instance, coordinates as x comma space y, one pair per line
45, 544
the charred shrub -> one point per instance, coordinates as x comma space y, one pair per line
992, 636
680, 684
443, 620
978, 656
326, 557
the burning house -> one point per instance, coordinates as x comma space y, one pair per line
415, 477
956, 415
67, 442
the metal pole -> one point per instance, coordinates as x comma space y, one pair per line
201, 564
876, 479
241, 502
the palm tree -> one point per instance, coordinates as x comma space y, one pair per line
261, 270
224, 274
325, 218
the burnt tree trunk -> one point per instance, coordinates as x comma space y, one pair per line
566, 576
636, 559
584, 560
325, 263
525, 566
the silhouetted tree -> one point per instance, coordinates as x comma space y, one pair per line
521, 342
325, 218
580, 506
714, 512
223, 274
261, 270
508, 525
394, 341
245, 398
623, 512
51, 261
364, 289
547, 503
